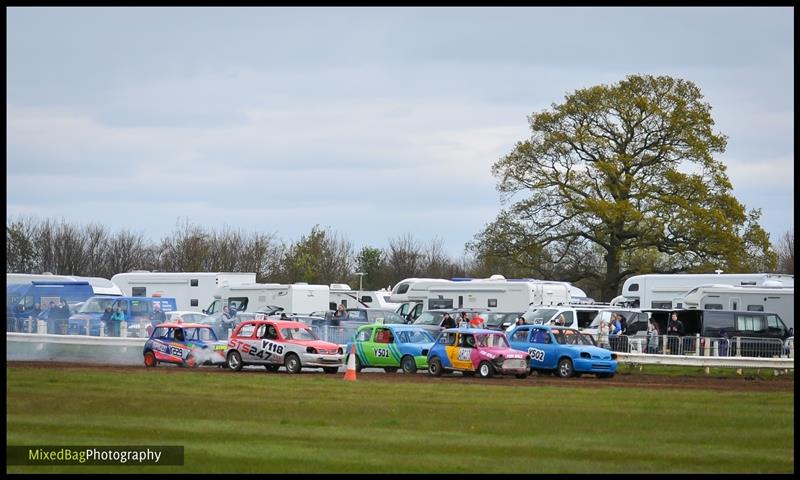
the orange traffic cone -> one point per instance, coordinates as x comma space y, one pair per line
350, 374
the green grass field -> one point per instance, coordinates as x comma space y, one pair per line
318, 423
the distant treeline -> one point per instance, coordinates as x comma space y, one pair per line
320, 257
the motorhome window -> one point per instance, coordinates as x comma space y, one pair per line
755, 308
193, 282
439, 303
750, 323
748, 283
460, 301
402, 288
239, 302
366, 299
712, 306
492, 303
634, 287
138, 291
656, 304
194, 302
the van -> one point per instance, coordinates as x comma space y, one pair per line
22, 297
137, 312
762, 333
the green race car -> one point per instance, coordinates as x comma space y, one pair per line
391, 346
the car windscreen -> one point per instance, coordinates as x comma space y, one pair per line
298, 334
539, 316
571, 337
492, 340
414, 336
429, 318
96, 305
495, 319
387, 316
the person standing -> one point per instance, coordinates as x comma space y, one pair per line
447, 321
116, 320
37, 310
105, 320
674, 331
652, 337
227, 323
602, 335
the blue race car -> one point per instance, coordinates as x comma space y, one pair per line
563, 350
184, 344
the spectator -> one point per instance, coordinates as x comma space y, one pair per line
51, 316
602, 335
116, 320
652, 337
447, 321
615, 327
233, 311
723, 343
35, 313
341, 313
520, 320
623, 324
561, 322
674, 330
158, 316
105, 320
477, 321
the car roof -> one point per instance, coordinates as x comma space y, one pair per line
279, 323
470, 330
183, 325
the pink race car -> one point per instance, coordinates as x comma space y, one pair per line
471, 350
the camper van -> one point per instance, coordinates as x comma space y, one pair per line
22, 298
191, 290
341, 293
296, 298
666, 291
137, 311
749, 298
100, 286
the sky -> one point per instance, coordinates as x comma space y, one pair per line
370, 122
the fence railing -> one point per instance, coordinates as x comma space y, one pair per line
702, 346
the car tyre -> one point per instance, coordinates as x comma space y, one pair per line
150, 360
435, 367
292, 363
359, 365
234, 361
485, 369
565, 369
191, 362
408, 364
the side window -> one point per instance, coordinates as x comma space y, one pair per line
194, 302
364, 335
657, 304
239, 302
540, 336
261, 331
193, 282
750, 323
467, 340
520, 335
139, 307
138, 291
755, 308
383, 335
448, 338
366, 299
713, 306
247, 330
491, 303
160, 332
568, 317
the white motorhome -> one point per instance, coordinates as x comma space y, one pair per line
341, 293
296, 298
666, 290
749, 298
101, 286
191, 290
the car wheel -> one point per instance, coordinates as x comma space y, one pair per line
293, 364
435, 367
390, 369
359, 366
271, 367
191, 362
485, 369
235, 361
408, 364
565, 368
150, 360
330, 369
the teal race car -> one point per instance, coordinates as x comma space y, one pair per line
391, 347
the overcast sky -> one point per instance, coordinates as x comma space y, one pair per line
373, 122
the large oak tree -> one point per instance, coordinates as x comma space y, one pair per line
620, 179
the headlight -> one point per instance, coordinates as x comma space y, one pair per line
311, 350
340, 351
424, 352
613, 356
586, 355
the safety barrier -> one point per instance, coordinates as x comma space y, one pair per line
704, 361
338, 335
73, 348
702, 346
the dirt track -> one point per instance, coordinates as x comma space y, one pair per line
621, 380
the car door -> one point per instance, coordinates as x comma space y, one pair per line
460, 354
381, 341
518, 338
365, 346
542, 348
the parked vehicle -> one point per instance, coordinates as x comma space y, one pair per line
21, 298
748, 298
183, 344
276, 343
191, 290
564, 351
356, 317
471, 351
391, 347
762, 333
500, 320
342, 294
100, 286
137, 312
432, 320
296, 298
664, 291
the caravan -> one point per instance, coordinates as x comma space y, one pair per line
341, 293
296, 298
665, 291
776, 299
191, 290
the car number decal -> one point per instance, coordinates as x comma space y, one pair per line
272, 347
536, 354
381, 352
464, 353
178, 352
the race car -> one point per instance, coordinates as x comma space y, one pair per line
475, 350
391, 346
562, 350
184, 344
276, 343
